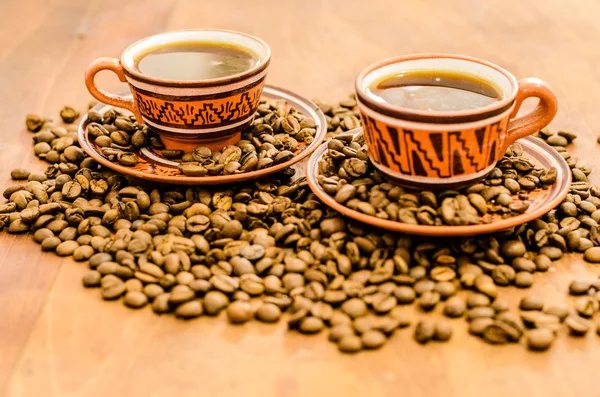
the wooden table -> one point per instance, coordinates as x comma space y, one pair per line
58, 339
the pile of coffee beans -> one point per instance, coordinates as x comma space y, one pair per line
341, 117
277, 133
346, 174
269, 250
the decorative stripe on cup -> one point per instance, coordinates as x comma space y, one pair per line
200, 114
440, 154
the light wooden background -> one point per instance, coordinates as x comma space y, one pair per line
57, 339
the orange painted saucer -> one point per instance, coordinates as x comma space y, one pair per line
540, 201
154, 167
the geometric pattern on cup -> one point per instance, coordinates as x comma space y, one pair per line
434, 154
199, 113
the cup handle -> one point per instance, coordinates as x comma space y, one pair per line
538, 118
120, 101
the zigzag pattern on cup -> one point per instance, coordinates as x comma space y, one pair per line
439, 154
198, 114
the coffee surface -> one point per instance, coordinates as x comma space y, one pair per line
434, 90
192, 61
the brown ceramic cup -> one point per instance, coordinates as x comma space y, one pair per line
441, 149
188, 113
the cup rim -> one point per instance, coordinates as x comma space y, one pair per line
257, 69
435, 116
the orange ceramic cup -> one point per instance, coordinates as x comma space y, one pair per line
442, 149
188, 113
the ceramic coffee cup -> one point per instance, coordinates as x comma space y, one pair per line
188, 113
441, 149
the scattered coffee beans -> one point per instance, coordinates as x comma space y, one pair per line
191, 251
346, 173
277, 133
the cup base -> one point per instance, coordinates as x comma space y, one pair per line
187, 145
424, 183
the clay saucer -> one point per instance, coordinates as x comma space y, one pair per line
153, 167
540, 201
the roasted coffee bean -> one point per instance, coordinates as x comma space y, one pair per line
455, 307
354, 307
559, 310
364, 324
19, 174
42, 234
500, 305
580, 287
445, 289
214, 302
428, 301
82, 252
188, 310
592, 255
239, 312
373, 339
98, 259
554, 253
161, 303
92, 279
339, 317
135, 299
425, 331
478, 325
68, 114
503, 275
153, 290
349, 344
66, 248
523, 280
224, 283
523, 265
586, 306
530, 317
34, 122
577, 326
134, 284
499, 332
443, 331
486, 285
442, 273
422, 286
181, 294
513, 249
531, 302
481, 311
311, 325
540, 339
477, 300
113, 289
268, 313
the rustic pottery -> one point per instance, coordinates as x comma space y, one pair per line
442, 149
187, 114
540, 200
154, 167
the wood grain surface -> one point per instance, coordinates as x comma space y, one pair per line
57, 339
